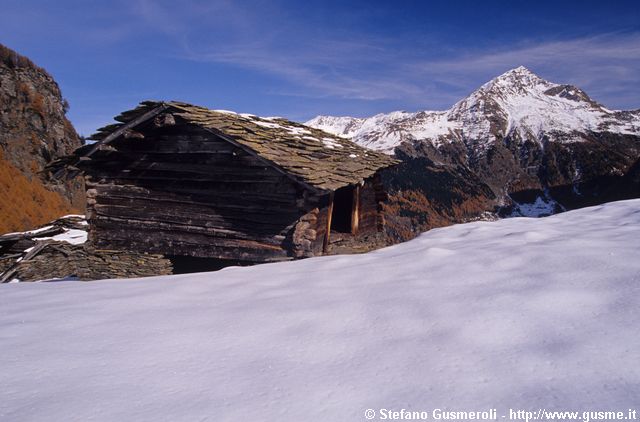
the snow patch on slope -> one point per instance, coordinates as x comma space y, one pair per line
384, 132
541, 207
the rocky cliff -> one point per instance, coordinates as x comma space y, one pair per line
33, 131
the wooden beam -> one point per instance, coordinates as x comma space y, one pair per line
327, 234
133, 123
100, 145
355, 210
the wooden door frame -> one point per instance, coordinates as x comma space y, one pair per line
355, 209
327, 233
355, 216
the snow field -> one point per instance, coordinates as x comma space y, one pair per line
519, 313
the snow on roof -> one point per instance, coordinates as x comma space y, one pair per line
31, 233
290, 146
72, 236
23, 246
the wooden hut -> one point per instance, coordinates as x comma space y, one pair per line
182, 180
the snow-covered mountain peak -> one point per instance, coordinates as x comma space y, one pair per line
520, 103
520, 88
520, 73
344, 126
517, 104
530, 140
518, 82
520, 79
523, 70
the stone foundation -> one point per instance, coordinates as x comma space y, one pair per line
61, 260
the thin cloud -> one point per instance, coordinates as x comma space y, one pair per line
354, 66
343, 64
604, 65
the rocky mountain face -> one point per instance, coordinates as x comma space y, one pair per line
423, 195
33, 131
539, 147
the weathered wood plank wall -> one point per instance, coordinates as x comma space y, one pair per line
181, 190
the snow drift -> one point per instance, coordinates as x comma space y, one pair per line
519, 313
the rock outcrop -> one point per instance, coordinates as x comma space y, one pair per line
424, 195
33, 131
60, 260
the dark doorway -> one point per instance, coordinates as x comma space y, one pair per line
342, 210
189, 264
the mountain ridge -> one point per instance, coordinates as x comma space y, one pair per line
501, 93
525, 137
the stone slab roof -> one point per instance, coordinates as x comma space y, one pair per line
313, 157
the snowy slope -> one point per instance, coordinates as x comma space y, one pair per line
518, 313
517, 101
384, 132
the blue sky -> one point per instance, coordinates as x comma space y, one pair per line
302, 58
